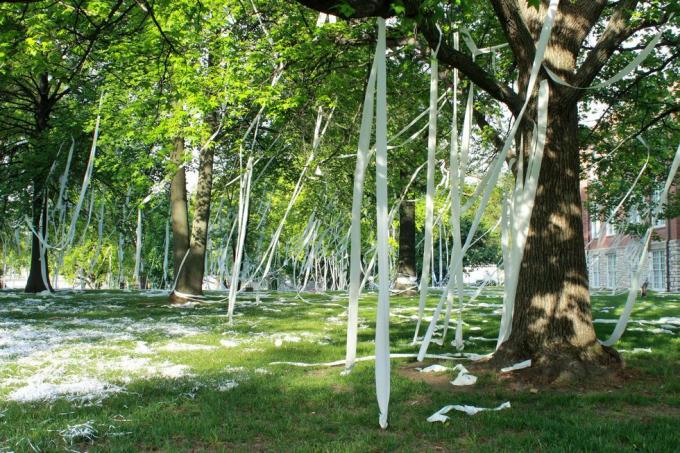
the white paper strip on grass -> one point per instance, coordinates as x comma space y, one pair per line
355, 228
635, 279
382, 333
622, 73
429, 195
500, 158
517, 366
86, 177
436, 368
523, 206
440, 416
471, 356
138, 247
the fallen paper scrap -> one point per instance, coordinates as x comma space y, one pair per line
229, 343
227, 385
464, 377
440, 415
436, 368
82, 432
517, 366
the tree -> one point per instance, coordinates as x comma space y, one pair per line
552, 321
44, 53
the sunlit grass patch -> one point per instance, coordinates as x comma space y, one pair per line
141, 374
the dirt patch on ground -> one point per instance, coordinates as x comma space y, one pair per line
533, 379
440, 381
526, 380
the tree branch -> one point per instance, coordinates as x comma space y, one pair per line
515, 29
457, 59
617, 30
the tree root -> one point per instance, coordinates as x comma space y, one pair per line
560, 363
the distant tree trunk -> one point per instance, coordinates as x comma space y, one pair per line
35, 282
179, 214
194, 241
406, 270
195, 266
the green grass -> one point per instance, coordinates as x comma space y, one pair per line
174, 399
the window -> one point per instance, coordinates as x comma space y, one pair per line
611, 270
595, 223
595, 226
656, 201
609, 229
634, 215
658, 280
595, 271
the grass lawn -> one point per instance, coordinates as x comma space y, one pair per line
124, 371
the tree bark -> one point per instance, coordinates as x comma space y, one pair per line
179, 214
195, 266
43, 108
552, 321
35, 282
190, 243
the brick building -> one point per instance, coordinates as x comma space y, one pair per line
612, 257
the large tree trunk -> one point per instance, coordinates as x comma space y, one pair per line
179, 214
35, 282
552, 322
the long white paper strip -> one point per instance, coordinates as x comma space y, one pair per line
382, 333
355, 228
429, 196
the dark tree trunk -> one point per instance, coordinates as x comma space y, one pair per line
35, 282
407, 239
